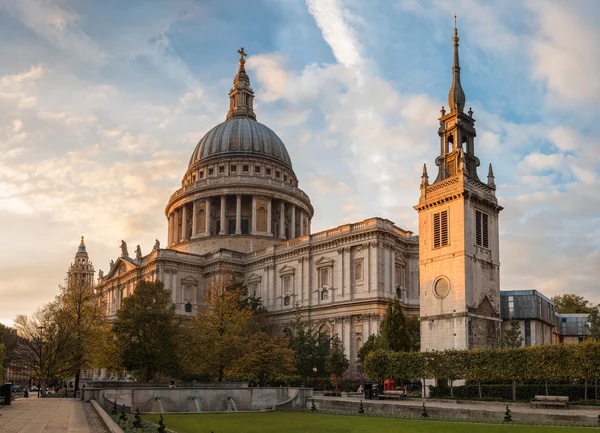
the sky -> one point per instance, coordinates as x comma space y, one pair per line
102, 104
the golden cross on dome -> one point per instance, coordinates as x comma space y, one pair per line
242, 53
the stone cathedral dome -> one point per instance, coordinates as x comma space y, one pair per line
241, 137
239, 191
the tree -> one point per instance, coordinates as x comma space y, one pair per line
147, 332
81, 312
265, 355
373, 343
1, 361
571, 303
336, 362
310, 348
44, 344
399, 332
593, 324
512, 338
8, 337
218, 332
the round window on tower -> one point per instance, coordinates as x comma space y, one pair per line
441, 287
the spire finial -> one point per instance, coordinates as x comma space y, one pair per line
82, 240
456, 96
241, 96
491, 181
424, 176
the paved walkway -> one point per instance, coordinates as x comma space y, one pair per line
45, 415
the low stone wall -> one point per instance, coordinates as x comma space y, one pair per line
414, 408
205, 399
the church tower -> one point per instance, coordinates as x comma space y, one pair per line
459, 263
81, 270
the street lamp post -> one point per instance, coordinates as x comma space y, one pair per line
39, 391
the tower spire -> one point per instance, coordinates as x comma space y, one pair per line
456, 96
241, 95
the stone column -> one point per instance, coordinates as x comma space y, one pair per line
207, 225
176, 226
238, 215
293, 223
282, 219
269, 217
302, 223
170, 230
223, 203
184, 223
194, 220
253, 231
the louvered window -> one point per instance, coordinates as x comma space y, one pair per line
440, 229
481, 229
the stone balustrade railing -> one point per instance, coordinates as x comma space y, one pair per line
238, 181
369, 224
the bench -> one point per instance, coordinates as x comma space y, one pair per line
396, 395
550, 400
2, 401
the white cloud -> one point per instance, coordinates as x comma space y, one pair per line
565, 52
335, 23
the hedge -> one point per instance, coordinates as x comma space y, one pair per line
504, 392
547, 363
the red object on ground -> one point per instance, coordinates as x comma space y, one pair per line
389, 385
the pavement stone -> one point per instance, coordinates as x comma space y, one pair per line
48, 415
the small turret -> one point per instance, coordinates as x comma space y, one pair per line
424, 177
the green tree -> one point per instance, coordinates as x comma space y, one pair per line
399, 332
379, 365
373, 343
512, 337
8, 337
336, 362
147, 332
593, 324
310, 348
571, 303
1, 361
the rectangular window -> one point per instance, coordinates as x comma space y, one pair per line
257, 169
527, 333
481, 229
277, 174
245, 168
201, 174
222, 169
268, 171
440, 229
232, 225
511, 306
245, 227
211, 171
233, 168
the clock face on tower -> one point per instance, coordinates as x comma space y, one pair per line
441, 287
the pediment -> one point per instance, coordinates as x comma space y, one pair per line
121, 266
485, 308
324, 262
286, 270
254, 278
189, 280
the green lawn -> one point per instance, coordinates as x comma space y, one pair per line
290, 422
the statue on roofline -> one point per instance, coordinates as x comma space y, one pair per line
124, 252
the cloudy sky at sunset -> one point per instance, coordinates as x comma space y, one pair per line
102, 103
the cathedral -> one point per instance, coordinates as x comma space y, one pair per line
240, 212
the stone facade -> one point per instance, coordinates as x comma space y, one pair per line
459, 242
240, 213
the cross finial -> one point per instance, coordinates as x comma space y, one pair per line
242, 53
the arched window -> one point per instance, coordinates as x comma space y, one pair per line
286, 300
324, 295
358, 270
325, 277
